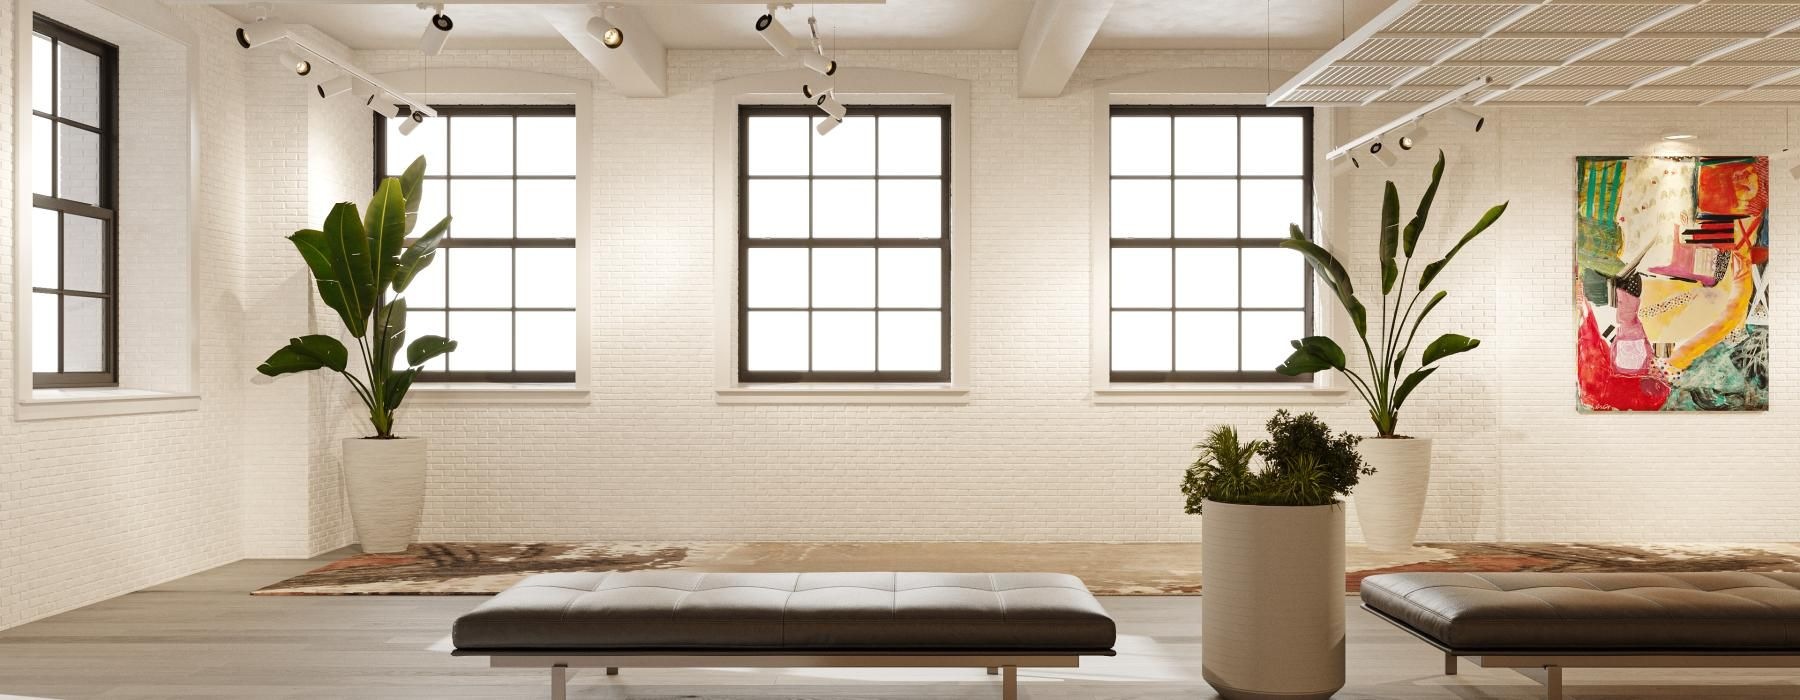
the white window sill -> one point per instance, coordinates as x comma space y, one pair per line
1248, 393
872, 394
482, 393
51, 404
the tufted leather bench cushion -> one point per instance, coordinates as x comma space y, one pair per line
677, 610
1613, 612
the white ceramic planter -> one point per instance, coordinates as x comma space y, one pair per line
1390, 502
387, 490
1272, 601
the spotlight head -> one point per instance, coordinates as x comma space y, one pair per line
811, 94
1410, 136
604, 32
260, 33
1465, 119
1344, 165
777, 36
832, 107
819, 64
333, 87
300, 65
431, 43
363, 91
1383, 154
413, 120
827, 124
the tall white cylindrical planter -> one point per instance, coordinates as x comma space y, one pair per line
1390, 502
1272, 601
387, 490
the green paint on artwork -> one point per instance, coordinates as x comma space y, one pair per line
1597, 247
1727, 377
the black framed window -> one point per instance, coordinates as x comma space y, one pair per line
1201, 198
74, 220
844, 245
504, 281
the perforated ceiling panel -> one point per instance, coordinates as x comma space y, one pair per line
1562, 52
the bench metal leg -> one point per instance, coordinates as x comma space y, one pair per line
1551, 677
1009, 683
612, 670
559, 682
1449, 664
993, 670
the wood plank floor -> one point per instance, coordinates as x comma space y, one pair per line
205, 637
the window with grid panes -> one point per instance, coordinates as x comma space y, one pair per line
74, 221
1201, 198
503, 284
843, 245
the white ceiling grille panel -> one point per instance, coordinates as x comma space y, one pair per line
1561, 52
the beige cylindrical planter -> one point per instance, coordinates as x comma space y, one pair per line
387, 490
1272, 601
1390, 502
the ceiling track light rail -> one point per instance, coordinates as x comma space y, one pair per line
1461, 117
366, 88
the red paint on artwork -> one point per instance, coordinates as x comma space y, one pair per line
1733, 188
1603, 386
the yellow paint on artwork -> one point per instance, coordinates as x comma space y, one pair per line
1692, 317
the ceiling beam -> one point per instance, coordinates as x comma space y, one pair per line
572, 3
638, 68
1511, 18
1056, 38
1591, 49
1715, 54
1342, 49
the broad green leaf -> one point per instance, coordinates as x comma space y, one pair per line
419, 255
385, 222
428, 347
1488, 219
347, 247
412, 188
307, 353
389, 332
1446, 345
1390, 236
1325, 348
397, 385
1335, 277
1313, 354
1416, 227
315, 248
1400, 357
1406, 387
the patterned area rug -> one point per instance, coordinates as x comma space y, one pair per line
452, 568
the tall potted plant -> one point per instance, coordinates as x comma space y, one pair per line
1272, 557
362, 266
1391, 502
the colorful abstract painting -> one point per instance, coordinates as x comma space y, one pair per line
1671, 296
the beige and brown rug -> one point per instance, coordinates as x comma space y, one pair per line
457, 568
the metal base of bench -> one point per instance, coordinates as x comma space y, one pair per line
564, 665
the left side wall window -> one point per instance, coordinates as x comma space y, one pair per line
74, 220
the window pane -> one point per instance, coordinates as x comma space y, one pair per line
418, 325
1206, 278
43, 156
546, 341
1206, 341
547, 146
78, 85
1267, 338
427, 139
1206, 208
843, 208
1274, 277
1274, 146
434, 200
911, 277
1140, 278
84, 254
483, 340
481, 146
843, 341
1206, 146
546, 208
912, 208
78, 160
777, 341
1140, 341
481, 209
45, 333
42, 67
84, 334
911, 341
1140, 145
1270, 206
546, 277
1140, 208
45, 260
480, 277
778, 145
426, 290
779, 208
843, 278
848, 150
776, 278
911, 145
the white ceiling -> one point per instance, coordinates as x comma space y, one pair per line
896, 24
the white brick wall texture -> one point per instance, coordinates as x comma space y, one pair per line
113, 504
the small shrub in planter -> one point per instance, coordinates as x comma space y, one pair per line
1303, 464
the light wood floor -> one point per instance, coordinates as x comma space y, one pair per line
205, 637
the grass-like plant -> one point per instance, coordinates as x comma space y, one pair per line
1387, 384
1303, 464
